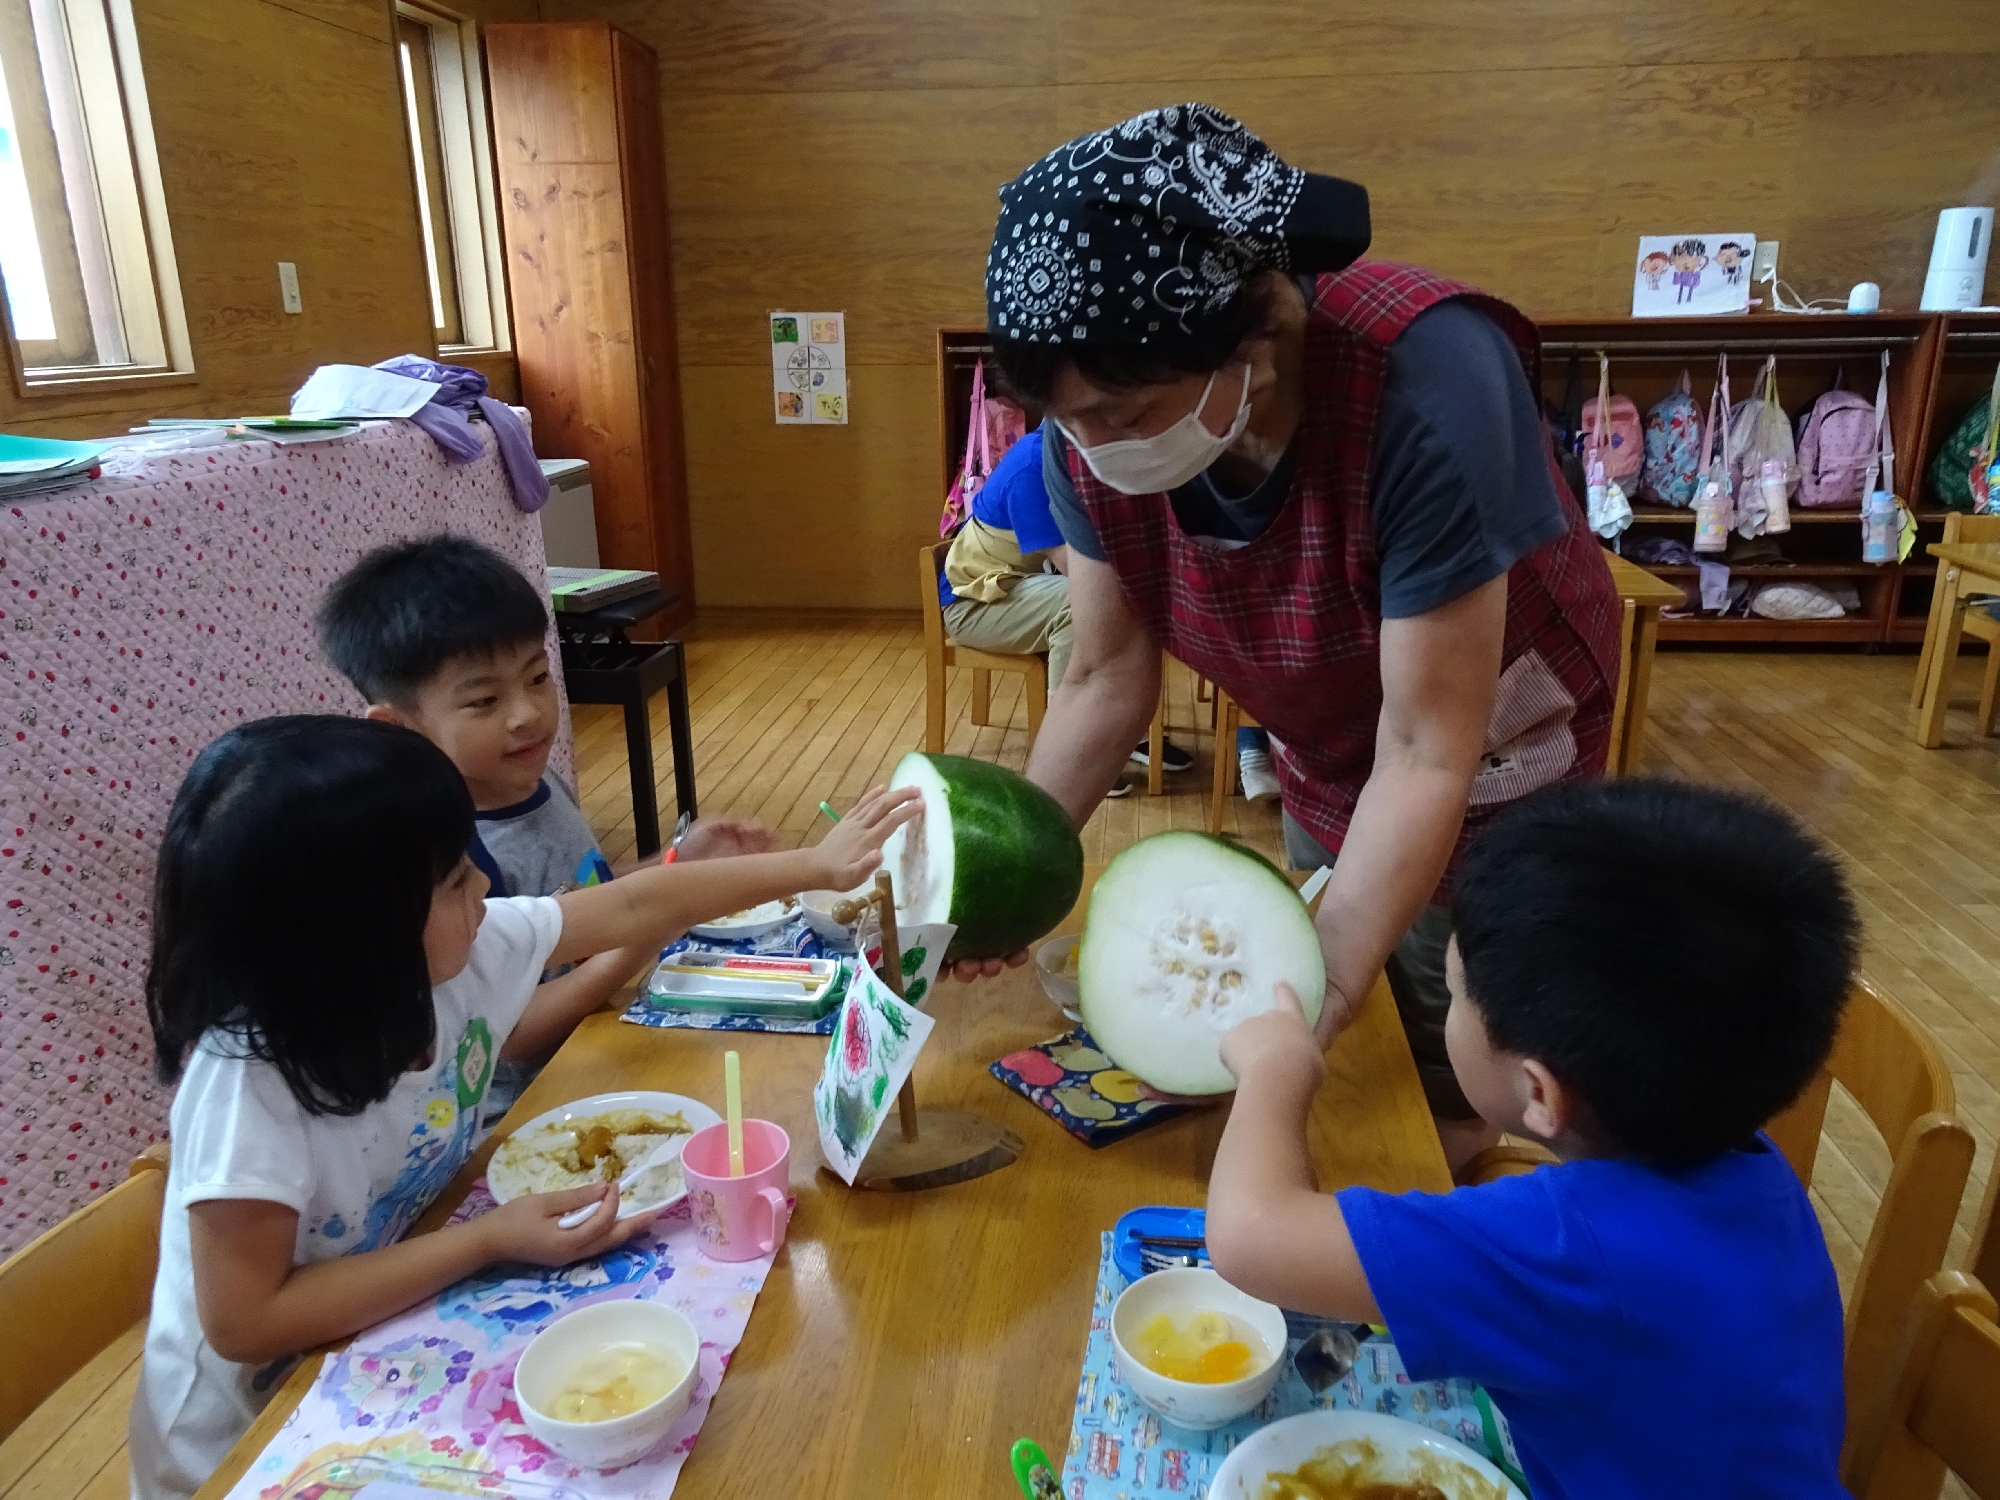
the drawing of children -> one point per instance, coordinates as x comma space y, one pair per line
1653, 267
1730, 256
1688, 257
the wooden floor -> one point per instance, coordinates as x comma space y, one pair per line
790, 709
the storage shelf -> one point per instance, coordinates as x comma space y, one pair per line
1773, 570
1855, 629
1800, 517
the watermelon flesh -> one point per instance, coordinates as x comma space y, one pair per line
1186, 937
993, 854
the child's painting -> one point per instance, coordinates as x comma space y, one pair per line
871, 1053
1685, 275
809, 368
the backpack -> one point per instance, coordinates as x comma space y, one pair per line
1673, 448
992, 427
1836, 444
1623, 440
1951, 470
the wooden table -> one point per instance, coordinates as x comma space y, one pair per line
905, 1340
1644, 597
1963, 568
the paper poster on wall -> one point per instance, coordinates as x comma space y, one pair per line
1687, 275
809, 367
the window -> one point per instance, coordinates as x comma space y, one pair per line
85, 256
446, 103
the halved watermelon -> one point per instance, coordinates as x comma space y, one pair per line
1188, 935
993, 854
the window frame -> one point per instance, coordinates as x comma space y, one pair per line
466, 192
120, 263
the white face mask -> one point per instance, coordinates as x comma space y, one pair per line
1169, 459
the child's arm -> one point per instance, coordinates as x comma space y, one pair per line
257, 1306
565, 1000
647, 907
711, 838
1271, 1232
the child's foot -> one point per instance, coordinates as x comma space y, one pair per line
1171, 756
1253, 767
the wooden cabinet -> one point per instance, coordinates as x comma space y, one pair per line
582, 178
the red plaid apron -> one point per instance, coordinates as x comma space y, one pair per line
1290, 625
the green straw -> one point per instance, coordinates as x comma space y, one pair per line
829, 812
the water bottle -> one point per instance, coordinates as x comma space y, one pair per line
1771, 485
1712, 514
1879, 528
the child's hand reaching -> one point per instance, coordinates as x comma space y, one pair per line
850, 853
526, 1229
724, 838
1276, 1045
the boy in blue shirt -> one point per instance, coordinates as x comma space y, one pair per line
1642, 973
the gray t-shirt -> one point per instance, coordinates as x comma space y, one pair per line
542, 846
1462, 489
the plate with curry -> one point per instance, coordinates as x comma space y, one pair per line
596, 1140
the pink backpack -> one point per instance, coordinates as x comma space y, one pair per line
1623, 439
1835, 446
993, 427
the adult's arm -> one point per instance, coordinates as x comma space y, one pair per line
1439, 674
1107, 696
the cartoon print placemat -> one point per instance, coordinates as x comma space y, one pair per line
1118, 1450
1081, 1089
434, 1386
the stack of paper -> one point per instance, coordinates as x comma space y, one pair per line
34, 466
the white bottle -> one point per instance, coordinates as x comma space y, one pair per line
1879, 528
1712, 512
1771, 485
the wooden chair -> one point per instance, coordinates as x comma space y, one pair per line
66, 1298
1937, 1407
1886, 1061
1984, 1260
1508, 1159
1963, 528
1229, 717
941, 652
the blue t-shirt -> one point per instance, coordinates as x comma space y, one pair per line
1015, 499
1646, 1332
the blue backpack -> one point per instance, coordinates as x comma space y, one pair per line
1673, 448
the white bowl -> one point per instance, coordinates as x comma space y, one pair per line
818, 909
505, 1185
1058, 986
1177, 1293
1408, 1452
554, 1353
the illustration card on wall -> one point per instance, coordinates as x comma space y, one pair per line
1688, 275
870, 1054
809, 368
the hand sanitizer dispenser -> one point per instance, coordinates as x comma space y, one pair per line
1957, 276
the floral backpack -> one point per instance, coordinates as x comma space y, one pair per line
1673, 448
992, 428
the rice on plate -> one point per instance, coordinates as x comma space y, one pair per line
598, 1140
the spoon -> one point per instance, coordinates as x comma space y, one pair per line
667, 1150
1326, 1356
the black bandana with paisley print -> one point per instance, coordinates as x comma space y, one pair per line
1133, 235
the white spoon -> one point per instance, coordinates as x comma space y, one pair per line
666, 1151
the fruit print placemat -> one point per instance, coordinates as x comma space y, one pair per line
1118, 1450
434, 1386
1081, 1089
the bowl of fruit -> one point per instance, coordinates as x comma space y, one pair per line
1194, 1349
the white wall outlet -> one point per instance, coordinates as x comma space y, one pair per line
288, 286
1764, 261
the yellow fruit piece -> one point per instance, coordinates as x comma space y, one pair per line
1223, 1362
1208, 1329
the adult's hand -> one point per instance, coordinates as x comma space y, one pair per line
968, 969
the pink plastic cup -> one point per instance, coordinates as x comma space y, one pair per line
739, 1218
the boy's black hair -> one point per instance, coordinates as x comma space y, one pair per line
289, 905
1027, 371
395, 618
1677, 954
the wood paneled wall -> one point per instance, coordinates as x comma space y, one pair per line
281, 136
845, 155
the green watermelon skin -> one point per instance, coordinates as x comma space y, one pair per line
1017, 864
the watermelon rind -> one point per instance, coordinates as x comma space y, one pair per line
994, 855
1187, 936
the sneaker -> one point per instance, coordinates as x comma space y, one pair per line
1253, 768
1171, 756
1123, 788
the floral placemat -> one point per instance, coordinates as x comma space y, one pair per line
1119, 1450
434, 1386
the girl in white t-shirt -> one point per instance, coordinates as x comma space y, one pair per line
330, 989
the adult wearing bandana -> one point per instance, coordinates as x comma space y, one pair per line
1323, 483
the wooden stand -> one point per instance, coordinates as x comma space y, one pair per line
932, 1147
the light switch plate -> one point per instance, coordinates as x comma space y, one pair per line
1764, 261
288, 285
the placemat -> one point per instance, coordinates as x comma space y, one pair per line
794, 940
1118, 1450
435, 1385
1081, 1089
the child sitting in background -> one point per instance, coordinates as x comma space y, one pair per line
330, 987
446, 637
1642, 974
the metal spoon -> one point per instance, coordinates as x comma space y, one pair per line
1326, 1356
